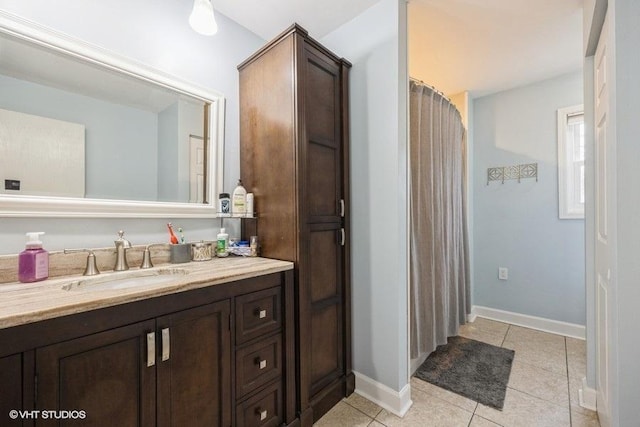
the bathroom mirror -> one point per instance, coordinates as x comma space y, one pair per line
85, 132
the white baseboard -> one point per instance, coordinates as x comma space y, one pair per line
471, 317
398, 403
588, 396
533, 322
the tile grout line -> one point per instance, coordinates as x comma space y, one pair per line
491, 421
538, 398
559, 405
473, 414
566, 355
445, 400
362, 412
505, 335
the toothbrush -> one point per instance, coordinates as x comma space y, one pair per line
172, 237
181, 235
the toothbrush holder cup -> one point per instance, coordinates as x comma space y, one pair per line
180, 253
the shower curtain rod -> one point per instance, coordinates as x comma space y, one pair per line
432, 88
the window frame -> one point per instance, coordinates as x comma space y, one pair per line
566, 208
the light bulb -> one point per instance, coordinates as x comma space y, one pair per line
202, 19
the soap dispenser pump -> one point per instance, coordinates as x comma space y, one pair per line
33, 262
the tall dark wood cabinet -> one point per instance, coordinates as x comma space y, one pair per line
294, 151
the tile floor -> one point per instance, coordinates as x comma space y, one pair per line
542, 391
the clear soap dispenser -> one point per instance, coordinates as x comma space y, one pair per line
33, 262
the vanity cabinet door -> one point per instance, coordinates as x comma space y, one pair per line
194, 367
106, 375
11, 395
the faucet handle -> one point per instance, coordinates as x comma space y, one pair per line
91, 268
125, 243
146, 256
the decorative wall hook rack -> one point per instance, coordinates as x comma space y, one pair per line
502, 173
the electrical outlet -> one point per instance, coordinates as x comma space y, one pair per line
503, 273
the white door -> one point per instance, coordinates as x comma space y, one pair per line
605, 212
196, 169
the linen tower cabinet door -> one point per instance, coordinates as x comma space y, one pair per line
322, 269
106, 375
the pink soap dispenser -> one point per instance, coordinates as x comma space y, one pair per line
33, 262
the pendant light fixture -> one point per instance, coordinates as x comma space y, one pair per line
202, 19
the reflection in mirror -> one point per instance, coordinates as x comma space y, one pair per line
79, 122
110, 137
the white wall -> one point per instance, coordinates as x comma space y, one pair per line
157, 34
516, 225
378, 112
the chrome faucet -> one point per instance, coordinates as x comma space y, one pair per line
122, 245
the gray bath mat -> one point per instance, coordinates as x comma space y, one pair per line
470, 368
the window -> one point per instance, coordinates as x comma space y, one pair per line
571, 162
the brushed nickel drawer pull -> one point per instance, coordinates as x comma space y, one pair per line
166, 344
151, 349
343, 237
262, 313
263, 414
342, 208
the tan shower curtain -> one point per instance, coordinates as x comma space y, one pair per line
440, 294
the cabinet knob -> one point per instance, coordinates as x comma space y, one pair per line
261, 313
262, 413
262, 363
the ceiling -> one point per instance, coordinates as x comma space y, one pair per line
485, 46
480, 46
268, 18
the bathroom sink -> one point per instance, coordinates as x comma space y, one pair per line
125, 280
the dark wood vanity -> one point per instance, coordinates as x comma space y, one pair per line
219, 355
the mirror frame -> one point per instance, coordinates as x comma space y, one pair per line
42, 206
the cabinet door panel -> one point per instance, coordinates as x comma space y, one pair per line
11, 395
326, 354
322, 91
105, 374
194, 381
323, 144
325, 274
323, 182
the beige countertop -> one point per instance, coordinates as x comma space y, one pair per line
22, 303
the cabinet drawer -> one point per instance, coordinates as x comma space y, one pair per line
258, 313
258, 364
263, 409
